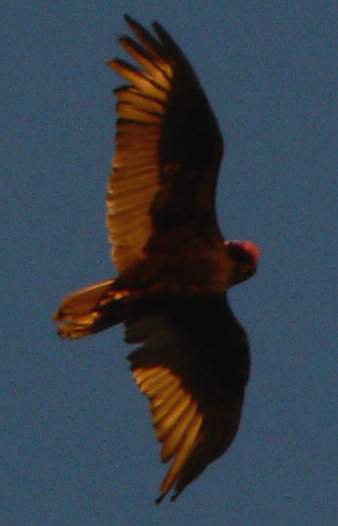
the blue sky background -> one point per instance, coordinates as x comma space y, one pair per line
76, 441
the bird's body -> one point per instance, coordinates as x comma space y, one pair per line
197, 267
174, 266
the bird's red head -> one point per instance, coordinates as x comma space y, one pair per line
245, 255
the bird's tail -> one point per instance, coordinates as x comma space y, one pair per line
90, 310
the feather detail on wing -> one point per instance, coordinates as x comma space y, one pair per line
193, 367
168, 149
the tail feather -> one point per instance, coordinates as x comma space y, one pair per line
90, 310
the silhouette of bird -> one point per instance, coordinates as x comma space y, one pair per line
174, 267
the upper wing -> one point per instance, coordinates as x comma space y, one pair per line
168, 150
193, 367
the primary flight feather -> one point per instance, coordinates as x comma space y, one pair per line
175, 268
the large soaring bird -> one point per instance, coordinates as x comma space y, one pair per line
174, 267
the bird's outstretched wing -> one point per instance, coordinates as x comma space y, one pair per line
193, 367
169, 148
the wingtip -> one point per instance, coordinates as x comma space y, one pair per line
156, 25
174, 496
130, 21
133, 24
159, 499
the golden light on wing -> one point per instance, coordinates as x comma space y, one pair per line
161, 151
190, 439
175, 416
195, 391
136, 176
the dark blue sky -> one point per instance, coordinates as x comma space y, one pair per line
77, 444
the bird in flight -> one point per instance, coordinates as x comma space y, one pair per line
174, 268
